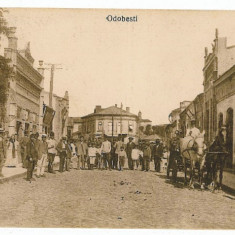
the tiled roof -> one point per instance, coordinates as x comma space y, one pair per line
145, 120
112, 110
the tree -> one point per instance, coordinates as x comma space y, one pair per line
148, 130
141, 128
5, 72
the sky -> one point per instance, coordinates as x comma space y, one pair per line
150, 65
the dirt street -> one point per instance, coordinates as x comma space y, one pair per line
112, 199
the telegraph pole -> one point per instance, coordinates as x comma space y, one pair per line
53, 67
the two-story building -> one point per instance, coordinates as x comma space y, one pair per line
25, 86
111, 121
225, 104
216, 63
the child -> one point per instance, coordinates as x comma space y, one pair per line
121, 158
98, 155
135, 156
91, 155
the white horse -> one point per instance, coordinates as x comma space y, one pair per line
192, 149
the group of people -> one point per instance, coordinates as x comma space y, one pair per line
94, 153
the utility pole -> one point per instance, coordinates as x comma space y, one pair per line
53, 67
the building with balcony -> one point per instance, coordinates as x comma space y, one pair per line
24, 89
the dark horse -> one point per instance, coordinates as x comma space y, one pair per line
215, 160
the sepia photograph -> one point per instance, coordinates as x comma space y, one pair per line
117, 118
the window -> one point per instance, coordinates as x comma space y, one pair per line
100, 126
110, 127
119, 127
130, 126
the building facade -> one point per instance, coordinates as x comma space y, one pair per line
55, 118
225, 103
216, 63
24, 90
193, 112
111, 121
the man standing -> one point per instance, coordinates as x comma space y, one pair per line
62, 149
82, 150
51, 152
42, 157
2, 151
146, 157
23, 142
31, 157
129, 147
117, 147
174, 156
105, 150
157, 154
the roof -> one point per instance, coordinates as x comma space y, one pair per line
145, 120
73, 120
112, 110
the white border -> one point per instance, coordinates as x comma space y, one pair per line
128, 4
118, 4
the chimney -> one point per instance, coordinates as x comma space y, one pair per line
128, 109
12, 39
140, 115
116, 105
97, 108
66, 95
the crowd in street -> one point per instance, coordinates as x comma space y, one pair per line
102, 154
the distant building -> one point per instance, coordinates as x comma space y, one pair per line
74, 127
174, 119
111, 121
193, 112
56, 118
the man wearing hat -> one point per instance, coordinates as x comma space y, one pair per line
157, 154
129, 147
51, 152
62, 149
193, 131
146, 157
82, 150
2, 150
23, 142
31, 157
42, 156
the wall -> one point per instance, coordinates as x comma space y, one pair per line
222, 107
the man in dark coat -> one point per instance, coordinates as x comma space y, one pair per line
157, 154
174, 156
130, 145
63, 150
31, 157
2, 150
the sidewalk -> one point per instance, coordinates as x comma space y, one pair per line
15, 172
229, 180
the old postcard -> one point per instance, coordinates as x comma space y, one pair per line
117, 118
